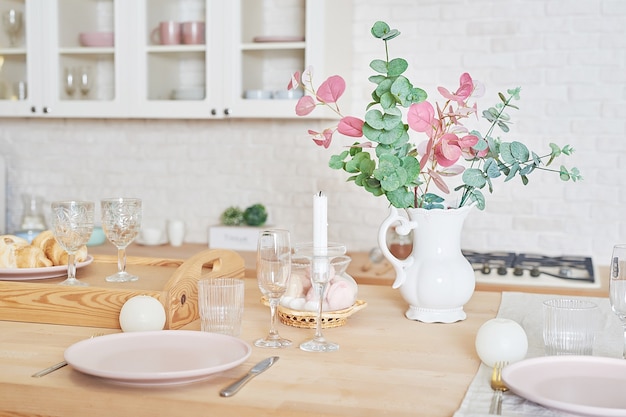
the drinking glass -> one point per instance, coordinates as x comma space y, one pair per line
72, 224
617, 286
121, 221
12, 22
84, 80
70, 81
321, 260
273, 264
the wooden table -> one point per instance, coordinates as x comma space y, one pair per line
386, 365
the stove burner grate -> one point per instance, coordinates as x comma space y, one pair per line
576, 268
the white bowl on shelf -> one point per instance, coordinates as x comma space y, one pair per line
257, 94
101, 39
288, 94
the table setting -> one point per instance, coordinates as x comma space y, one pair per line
526, 309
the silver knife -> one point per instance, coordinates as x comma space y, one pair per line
256, 369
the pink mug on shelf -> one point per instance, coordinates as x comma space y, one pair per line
167, 33
193, 33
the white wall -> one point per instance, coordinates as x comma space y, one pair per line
568, 56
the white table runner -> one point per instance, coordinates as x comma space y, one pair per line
526, 309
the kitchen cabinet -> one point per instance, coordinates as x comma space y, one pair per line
245, 47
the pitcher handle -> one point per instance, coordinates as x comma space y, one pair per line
405, 227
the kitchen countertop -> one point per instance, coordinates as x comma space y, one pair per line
361, 269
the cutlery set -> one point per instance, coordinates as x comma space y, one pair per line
498, 387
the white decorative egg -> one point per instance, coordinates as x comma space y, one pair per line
142, 313
501, 340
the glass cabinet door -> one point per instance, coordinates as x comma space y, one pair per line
177, 59
18, 38
85, 46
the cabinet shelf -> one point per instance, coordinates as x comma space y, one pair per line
87, 51
254, 46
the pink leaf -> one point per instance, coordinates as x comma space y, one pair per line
439, 182
331, 89
322, 139
295, 81
451, 170
305, 105
351, 126
420, 116
468, 141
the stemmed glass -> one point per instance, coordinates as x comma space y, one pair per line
12, 22
273, 264
121, 222
617, 286
72, 224
321, 262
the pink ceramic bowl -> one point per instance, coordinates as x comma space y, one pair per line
96, 38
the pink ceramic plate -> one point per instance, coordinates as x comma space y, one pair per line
583, 385
167, 357
26, 274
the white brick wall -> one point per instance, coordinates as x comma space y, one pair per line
568, 56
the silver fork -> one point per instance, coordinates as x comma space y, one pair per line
498, 387
56, 366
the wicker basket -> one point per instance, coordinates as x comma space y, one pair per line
308, 319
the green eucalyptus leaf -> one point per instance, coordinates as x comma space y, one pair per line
519, 151
377, 79
491, 168
384, 87
371, 133
401, 198
387, 101
367, 166
380, 29
514, 170
390, 35
503, 126
505, 154
336, 161
527, 169
477, 197
396, 135
374, 118
524, 179
396, 67
474, 177
379, 66
394, 111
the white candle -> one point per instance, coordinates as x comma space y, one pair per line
320, 224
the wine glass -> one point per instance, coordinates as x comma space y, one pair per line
321, 261
12, 21
617, 286
72, 224
273, 264
121, 221
84, 80
70, 81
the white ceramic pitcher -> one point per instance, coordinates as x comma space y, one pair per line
436, 279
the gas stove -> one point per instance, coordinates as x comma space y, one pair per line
509, 268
